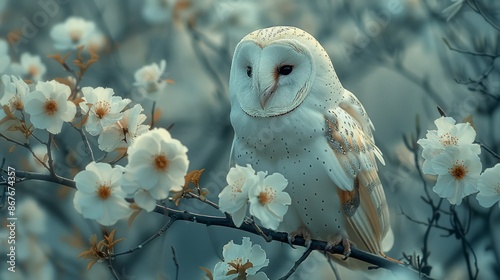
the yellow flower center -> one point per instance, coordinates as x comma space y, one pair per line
17, 103
448, 140
458, 171
50, 107
102, 108
104, 191
160, 163
267, 196
75, 35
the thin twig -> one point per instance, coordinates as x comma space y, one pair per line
86, 142
488, 149
297, 263
176, 263
26, 146
251, 221
455, 49
449, 230
112, 270
147, 241
474, 5
26, 176
202, 199
465, 245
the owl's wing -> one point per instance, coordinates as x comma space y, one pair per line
349, 135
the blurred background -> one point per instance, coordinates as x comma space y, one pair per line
402, 58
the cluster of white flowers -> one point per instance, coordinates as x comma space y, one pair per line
241, 262
268, 202
450, 153
149, 81
48, 105
76, 32
157, 165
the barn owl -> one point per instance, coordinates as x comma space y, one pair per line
291, 115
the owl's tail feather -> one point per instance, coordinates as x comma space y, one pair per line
388, 241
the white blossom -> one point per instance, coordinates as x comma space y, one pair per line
72, 33
15, 90
448, 134
49, 107
96, 42
458, 170
489, 187
234, 197
157, 165
268, 202
123, 133
102, 107
29, 67
148, 80
243, 259
99, 195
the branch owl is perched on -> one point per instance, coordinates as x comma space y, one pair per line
291, 115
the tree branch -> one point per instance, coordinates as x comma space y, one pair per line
226, 221
377, 261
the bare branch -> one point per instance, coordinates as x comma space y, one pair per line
147, 241
297, 263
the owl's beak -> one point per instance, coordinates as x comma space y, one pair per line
267, 94
264, 98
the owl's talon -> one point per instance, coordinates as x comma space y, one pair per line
290, 240
301, 231
346, 243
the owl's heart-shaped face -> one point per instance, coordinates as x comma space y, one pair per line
273, 79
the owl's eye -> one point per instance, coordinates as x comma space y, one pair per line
285, 70
249, 71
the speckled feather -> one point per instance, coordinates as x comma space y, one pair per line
313, 131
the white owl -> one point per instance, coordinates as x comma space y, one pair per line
291, 115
